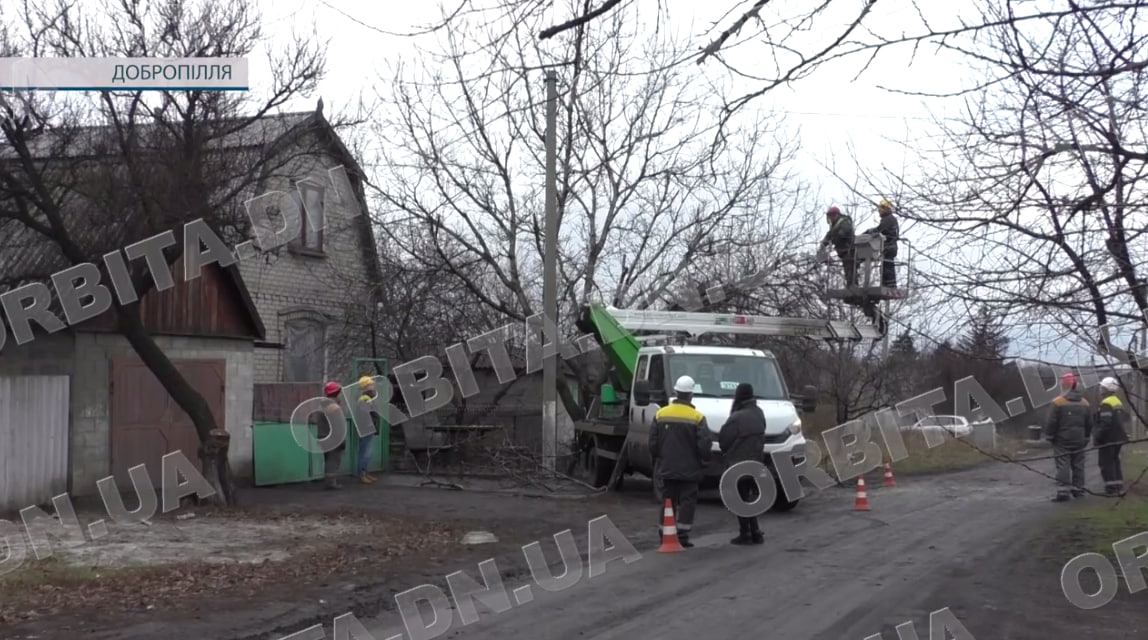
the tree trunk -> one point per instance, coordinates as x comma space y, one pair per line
184, 395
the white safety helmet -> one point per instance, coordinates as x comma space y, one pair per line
1110, 384
685, 384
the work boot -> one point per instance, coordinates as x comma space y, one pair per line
1077, 494
741, 539
1061, 497
757, 538
684, 539
366, 479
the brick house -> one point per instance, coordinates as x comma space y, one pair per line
314, 294
289, 315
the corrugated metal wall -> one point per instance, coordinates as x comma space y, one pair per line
34, 437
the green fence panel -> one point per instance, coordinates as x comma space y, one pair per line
278, 459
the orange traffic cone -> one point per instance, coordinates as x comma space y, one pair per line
670, 542
862, 497
889, 481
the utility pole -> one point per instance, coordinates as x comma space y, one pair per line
550, 279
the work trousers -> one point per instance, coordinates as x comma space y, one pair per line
849, 265
1110, 469
889, 268
332, 460
365, 452
1069, 469
683, 495
747, 489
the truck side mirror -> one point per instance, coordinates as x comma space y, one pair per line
809, 398
642, 389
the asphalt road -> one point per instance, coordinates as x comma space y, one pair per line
826, 572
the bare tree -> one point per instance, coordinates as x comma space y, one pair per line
642, 193
1046, 174
779, 42
86, 174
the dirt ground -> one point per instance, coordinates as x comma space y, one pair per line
983, 542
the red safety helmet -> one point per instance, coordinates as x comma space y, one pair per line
1068, 380
332, 389
833, 212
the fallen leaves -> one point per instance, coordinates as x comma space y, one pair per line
52, 587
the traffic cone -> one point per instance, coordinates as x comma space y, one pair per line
889, 481
862, 497
670, 542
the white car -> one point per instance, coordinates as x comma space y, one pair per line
956, 426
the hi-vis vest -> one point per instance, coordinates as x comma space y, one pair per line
677, 412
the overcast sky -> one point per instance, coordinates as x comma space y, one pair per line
833, 111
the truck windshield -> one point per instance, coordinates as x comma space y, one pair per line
717, 376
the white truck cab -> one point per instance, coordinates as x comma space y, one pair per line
717, 371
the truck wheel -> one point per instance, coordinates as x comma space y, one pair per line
595, 468
780, 504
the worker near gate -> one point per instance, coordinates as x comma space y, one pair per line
1110, 435
1069, 428
840, 235
326, 421
368, 414
742, 438
680, 442
890, 232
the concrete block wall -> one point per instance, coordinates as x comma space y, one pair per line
86, 358
285, 282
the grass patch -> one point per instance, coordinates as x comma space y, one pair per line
1098, 523
55, 572
951, 455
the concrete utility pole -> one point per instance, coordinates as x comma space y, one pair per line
550, 278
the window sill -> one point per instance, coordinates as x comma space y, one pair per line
304, 251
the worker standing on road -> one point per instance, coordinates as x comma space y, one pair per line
327, 422
890, 231
1068, 428
841, 236
742, 438
368, 414
1111, 435
681, 445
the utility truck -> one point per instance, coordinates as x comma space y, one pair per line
613, 439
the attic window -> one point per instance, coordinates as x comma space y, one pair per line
310, 198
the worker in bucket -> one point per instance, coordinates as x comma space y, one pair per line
680, 444
327, 422
890, 232
840, 236
1110, 435
368, 415
742, 438
1069, 428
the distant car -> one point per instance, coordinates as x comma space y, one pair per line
956, 426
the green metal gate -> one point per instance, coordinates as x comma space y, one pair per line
278, 458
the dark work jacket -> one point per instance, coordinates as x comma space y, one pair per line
888, 228
1070, 420
325, 418
742, 436
840, 233
680, 442
1110, 420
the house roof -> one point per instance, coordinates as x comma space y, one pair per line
27, 256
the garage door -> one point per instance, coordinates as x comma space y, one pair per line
147, 424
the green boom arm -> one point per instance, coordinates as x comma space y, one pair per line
620, 346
